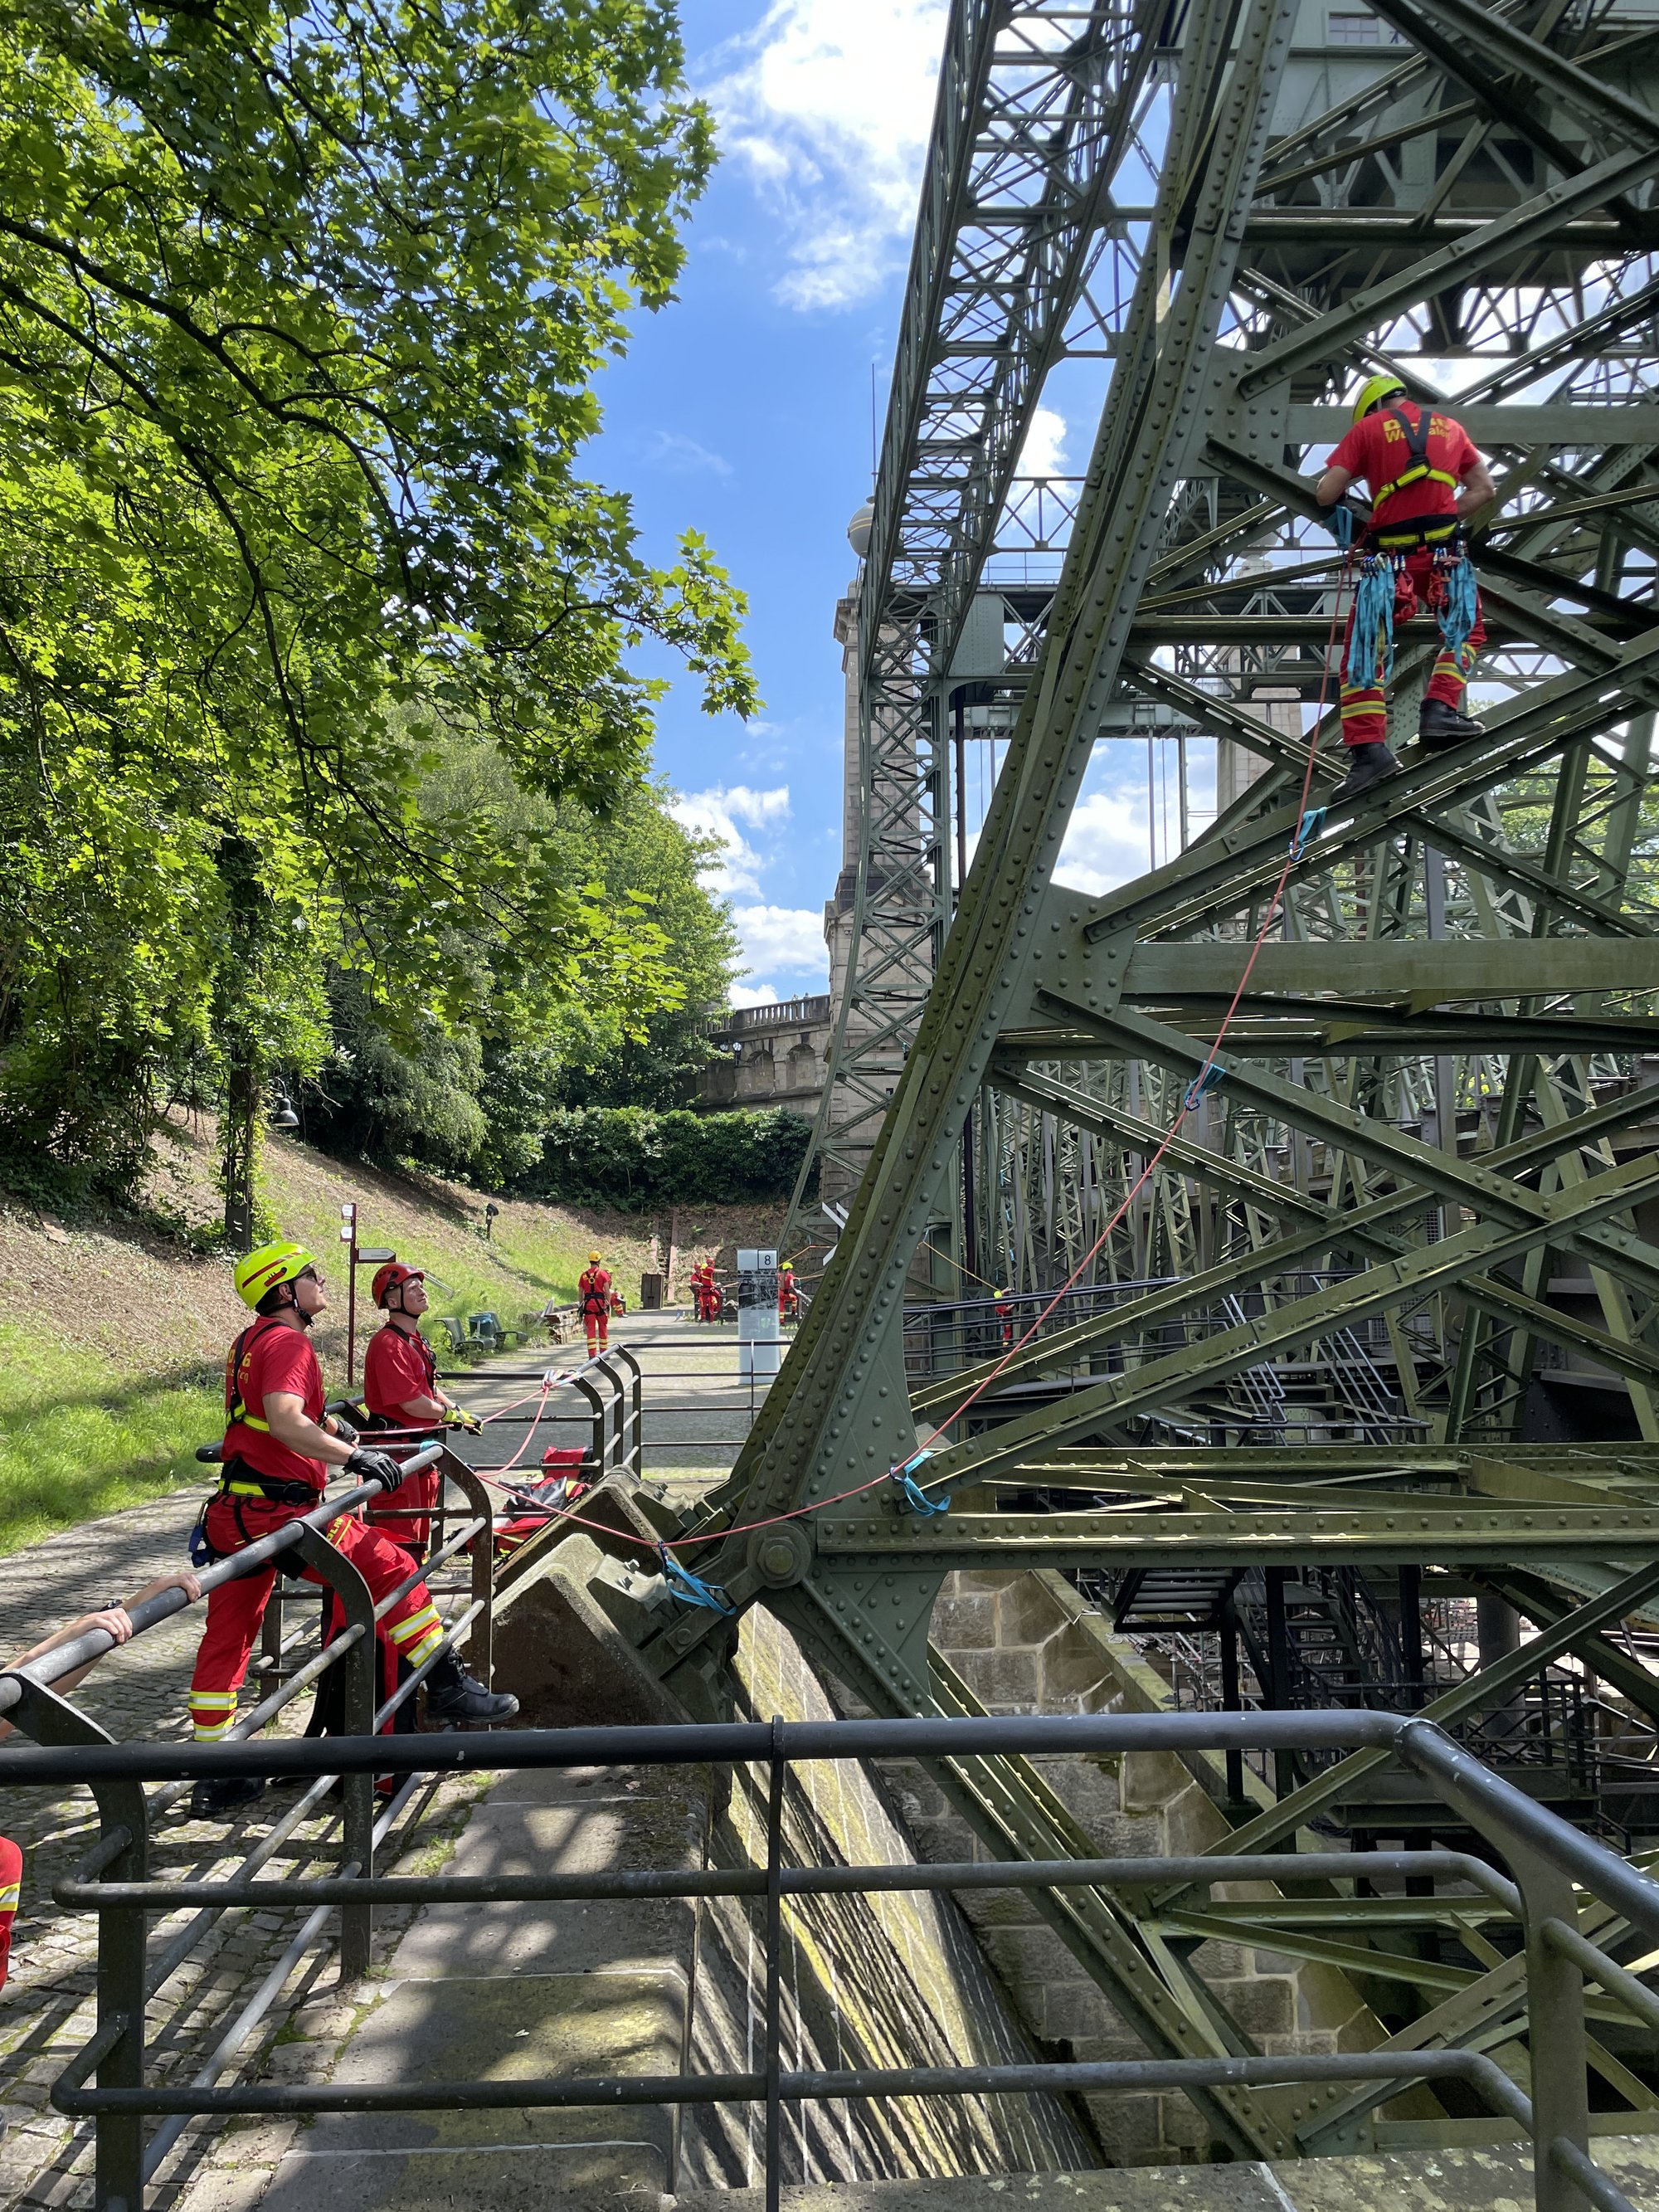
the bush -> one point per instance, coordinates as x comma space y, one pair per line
634, 1159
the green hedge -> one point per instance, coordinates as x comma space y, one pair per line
631, 1158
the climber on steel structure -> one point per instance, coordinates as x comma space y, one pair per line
1425, 479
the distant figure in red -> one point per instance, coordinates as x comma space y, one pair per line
706, 1300
594, 1295
788, 1296
1005, 1316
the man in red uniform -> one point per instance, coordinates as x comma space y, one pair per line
1424, 479
788, 1296
278, 1450
116, 1621
594, 1295
401, 1392
700, 1274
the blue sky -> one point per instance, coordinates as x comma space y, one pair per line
743, 410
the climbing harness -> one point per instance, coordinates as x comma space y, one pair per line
1419, 468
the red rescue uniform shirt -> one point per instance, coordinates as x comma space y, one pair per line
397, 1366
1376, 452
272, 1357
595, 1290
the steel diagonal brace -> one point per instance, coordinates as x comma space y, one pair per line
1313, 1228
1222, 874
1300, 1320
1482, 1688
1479, 40
1530, 224
1465, 1182
1539, 1602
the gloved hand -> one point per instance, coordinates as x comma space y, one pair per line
371, 1465
457, 1417
343, 1428
1339, 521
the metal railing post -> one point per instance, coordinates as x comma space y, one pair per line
634, 1379
776, 1769
480, 1645
119, 2157
1556, 2037
360, 1670
601, 1456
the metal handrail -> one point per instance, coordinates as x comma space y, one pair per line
64, 1658
1546, 1857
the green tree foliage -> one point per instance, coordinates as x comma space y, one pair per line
627, 1157
300, 309
650, 952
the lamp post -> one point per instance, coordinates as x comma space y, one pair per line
357, 1256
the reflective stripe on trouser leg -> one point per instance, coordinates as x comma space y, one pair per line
416, 1638
211, 1713
1364, 715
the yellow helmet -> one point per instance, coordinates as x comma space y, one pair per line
1373, 391
593, 1259
262, 1271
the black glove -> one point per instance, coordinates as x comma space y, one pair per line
343, 1428
369, 1466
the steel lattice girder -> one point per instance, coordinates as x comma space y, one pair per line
1446, 218
1037, 110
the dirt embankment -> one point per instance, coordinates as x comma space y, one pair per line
140, 1302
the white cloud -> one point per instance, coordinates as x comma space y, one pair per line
1043, 454
717, 813
757, 995
829, 103
1106, 843
684, 455
783, 939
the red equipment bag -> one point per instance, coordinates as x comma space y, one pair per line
534, 1504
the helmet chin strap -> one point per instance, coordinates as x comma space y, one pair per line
292, 1301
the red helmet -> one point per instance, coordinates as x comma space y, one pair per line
392, 1276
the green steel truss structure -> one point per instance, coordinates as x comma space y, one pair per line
1383, 1322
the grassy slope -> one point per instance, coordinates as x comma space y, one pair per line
112, 1336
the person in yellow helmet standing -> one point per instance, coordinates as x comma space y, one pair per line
278, 1449
1425, 478
594, 1295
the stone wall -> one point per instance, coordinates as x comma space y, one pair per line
1024, 1643
892, 1980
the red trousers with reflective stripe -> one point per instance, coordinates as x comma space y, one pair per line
410, 1631
1365, 709
11, 1876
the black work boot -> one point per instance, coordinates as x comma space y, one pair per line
1439, 727
452, 1695
1371, 764
207, 1799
